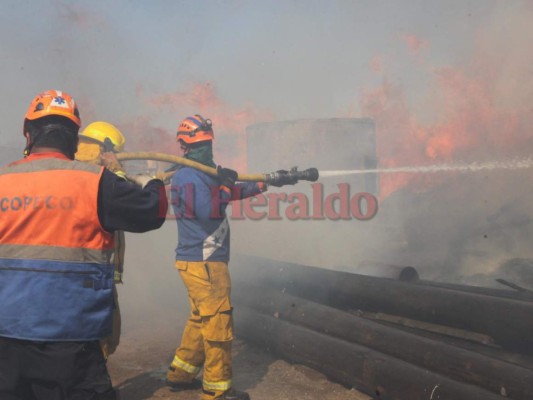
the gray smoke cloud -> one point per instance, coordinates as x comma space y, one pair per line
442, 82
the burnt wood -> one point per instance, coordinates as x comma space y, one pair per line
454, 362
508, 321
375, 373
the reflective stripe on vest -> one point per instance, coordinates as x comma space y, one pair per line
55, 272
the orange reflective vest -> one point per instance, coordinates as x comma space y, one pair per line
56, 277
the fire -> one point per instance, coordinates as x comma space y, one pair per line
143, 132
477, 111
414, 43
141, 135
376, 64
79, 15
440, 146
229, 122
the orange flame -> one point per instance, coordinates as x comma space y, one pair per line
229, 122
414, 43
79, 15
478, 111
141, 135
376, 64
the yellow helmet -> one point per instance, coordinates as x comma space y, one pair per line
100, 131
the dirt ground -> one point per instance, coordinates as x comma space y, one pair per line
154, 309
138, 369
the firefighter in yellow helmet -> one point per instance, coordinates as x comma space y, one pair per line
105, 134
96, 142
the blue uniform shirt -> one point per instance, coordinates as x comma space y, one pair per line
199, 204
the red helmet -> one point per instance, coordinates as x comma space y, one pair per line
195, 129
54, 102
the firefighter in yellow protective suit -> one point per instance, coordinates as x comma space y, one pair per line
202, 256
96, 142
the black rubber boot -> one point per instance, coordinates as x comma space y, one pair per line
233, 394
181, 386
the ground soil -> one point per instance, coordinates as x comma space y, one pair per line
154, 309
138, 367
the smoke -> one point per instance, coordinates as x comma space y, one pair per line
229, 122
142, 135
78, 15
434, 102
475, 111
415, 44
376, 65
471, 122
449, 224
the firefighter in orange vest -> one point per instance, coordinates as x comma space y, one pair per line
97, 143
56, 245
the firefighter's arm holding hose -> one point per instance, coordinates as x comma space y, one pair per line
110, 161
229, 177
133, 208
280, 177
125, 206
238, 190
242, 190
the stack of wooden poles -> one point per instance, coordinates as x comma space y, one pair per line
389, 338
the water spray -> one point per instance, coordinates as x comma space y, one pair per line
312, 174
515, 164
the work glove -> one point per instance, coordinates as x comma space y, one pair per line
281, 178
163, 176
110, 161
141, 179
226, 177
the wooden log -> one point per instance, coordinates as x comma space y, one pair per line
488, 291
385, 377
508, 321
456, 363
518, 288
382, 270
427, 327
490, 351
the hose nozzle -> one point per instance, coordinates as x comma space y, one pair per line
309, 174
291, 177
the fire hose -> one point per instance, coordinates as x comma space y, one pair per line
310, 174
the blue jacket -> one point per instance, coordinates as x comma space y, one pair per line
199, 204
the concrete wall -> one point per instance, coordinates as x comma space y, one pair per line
327, 144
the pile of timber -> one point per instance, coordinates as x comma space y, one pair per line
391, 339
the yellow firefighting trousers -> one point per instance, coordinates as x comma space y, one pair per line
109, 344
208, 334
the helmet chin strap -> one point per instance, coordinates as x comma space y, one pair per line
184, 147
108, 146
29, 145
